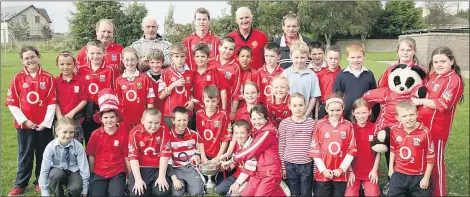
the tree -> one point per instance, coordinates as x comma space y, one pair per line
397, 17
270, 14
364, 18
130, 28
327, 18
438, 13
18, 29
46, 32
175, 32
253, 5
223, 24
463, 14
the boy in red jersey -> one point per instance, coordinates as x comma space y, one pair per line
326, 77
98, 75
179, 80
277, 104
149, 152
411, 154
107, 149
133, 88
155, 58
71, 93
317, 50
247, 73
31, 99
270, 69
205, 75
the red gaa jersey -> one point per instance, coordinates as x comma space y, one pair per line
412, 150
179, 95
70, 93
240, 164
96, 80
112, 57
445, 90
212, 76
263, 80
256, 40
331, 144
158, 86
109, 151
326, 78
134, 93
243, 113
383, 81
32, 95
148, 148
213, 130
249, 74
278, 112
192, 40
231, 73
183, 149
365, 157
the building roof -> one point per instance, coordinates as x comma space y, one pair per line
439, 30
10, 12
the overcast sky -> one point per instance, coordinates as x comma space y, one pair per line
59, 11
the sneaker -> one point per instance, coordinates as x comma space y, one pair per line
38, 189
16, 191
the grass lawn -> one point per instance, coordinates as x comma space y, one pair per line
457, 152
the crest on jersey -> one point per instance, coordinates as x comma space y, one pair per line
42, 85
87, 77
228, 75
76, 89
131, 149
216, 123
123, 87
139, 85
416, 141
173, 79
327, 135
141, 143
447, 95
264, 80
158, 140
116, 142
114, 57
25, 85
435, 87
188, 79
208, 78
399, 139
102, 78
343, 135
254, 43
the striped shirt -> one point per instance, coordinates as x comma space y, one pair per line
143, 46
294, 141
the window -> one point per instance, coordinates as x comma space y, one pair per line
24, 18
36, 18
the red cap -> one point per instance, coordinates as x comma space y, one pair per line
107, 100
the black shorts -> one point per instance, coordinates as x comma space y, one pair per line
407, 185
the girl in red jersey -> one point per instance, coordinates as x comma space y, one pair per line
333, 148
278, 103
250, 95
247, 73
444, 90
365, 166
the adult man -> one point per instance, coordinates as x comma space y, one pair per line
105, 33
151, 40
247, 36
202, 21
290, 26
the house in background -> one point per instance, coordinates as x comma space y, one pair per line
34, 18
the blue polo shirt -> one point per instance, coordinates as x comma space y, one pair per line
304, 82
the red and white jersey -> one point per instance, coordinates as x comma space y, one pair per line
231, 73
70, 93
263, 80
212, 76
241, 164
112, 57
326, 79
412, 150
148, 148
179, 95
332, 144
383, 81
256, 40
213, 130
365, 157
134, 93
183, 149
445, 90
192, 40
96, 80
278, 112
243, 114
245, 75
32, 95
158, 87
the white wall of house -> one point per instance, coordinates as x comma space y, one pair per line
34, 20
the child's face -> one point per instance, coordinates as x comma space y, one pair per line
178, 59
241, 134
332, 59
299, 60
156, 66
66, 65
180, 121
94, 54
356, 59
271, 57
405, 53
258, 120
297, 106
441, 64
226, 50
65, 134
130, 61
361, 114
201, 58
151, 122
109, 119
280, 88
30, 59
201, 22
250, 94
335, 110
407, 117
244, 58
210, 103
317, 56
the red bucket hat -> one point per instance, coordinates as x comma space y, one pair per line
107, 101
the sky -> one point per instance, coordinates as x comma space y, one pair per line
59, 10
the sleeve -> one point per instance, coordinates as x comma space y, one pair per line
429, 149
133, 148
166, 53
450, 95
393, 143
373, 83
91, 146
383, 81
81, 56
376, 95
136, 46
118, 91
352, 149
315, 148
315, 90
227, 134
84, 168
124, 147
220, 82
45, 168
165, 148
256, 147
13, 103
338, 84
51, 104
282, 143
150, 91
238, 84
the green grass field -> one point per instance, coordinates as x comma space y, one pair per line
457, 152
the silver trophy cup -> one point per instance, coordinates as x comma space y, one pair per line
209, 170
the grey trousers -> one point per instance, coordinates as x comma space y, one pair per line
192, 181
72, 180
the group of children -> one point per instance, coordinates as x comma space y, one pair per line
306, 124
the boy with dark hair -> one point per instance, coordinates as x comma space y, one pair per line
270, 69
317, 50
